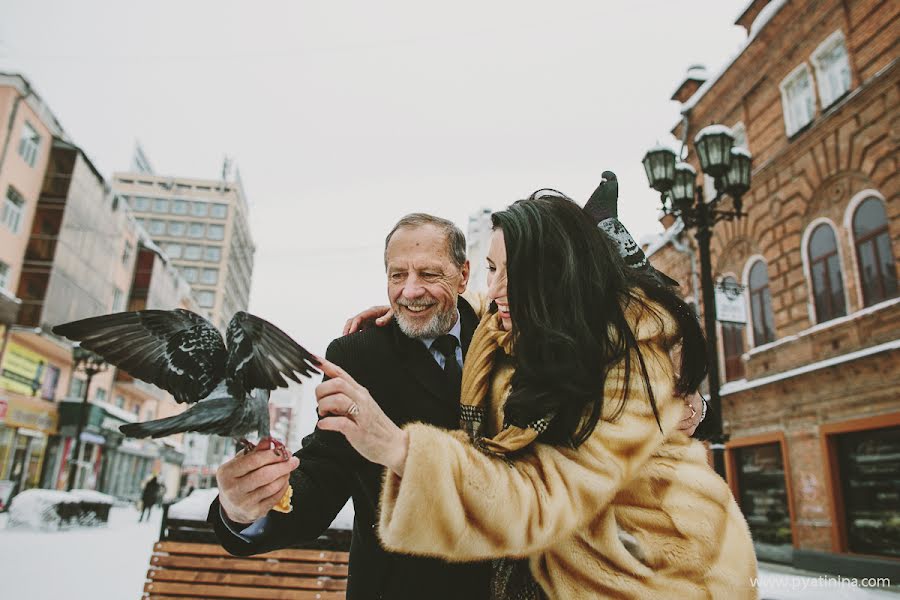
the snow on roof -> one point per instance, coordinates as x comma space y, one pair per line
741, 150
732, 387
115, 411
665, 237
770, 10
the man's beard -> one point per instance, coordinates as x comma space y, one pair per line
439, 324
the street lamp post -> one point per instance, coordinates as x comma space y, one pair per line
90, 364
729, 166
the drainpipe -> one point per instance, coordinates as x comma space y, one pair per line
684, 249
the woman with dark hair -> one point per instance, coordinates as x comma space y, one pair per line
571, 473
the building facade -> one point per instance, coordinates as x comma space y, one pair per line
203, 227
811, 369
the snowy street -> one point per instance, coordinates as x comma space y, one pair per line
110, 563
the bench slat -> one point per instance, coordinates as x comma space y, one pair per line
153, 589
300, 583
201, 563
288, 554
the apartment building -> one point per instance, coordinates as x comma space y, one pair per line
811, 370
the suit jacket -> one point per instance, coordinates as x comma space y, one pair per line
405, 380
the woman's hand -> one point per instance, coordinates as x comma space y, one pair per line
378, 316
693, 414
347, 407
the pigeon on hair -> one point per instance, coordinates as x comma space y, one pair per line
184, 354
602, 207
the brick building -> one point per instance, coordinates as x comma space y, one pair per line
811, 380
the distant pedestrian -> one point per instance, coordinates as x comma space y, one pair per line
149, 497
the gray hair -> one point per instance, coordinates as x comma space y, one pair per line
456, 241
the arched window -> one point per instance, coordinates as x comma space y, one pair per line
877, 269
825, 268
761, 305
732, 342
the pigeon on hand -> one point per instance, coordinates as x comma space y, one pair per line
602, 208
182, 353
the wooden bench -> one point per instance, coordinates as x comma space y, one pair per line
180, 570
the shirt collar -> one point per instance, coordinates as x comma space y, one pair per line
455, 331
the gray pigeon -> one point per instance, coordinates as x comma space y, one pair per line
602, 207
182, 353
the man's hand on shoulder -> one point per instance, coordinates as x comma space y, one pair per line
250, 484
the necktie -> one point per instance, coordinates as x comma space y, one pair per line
446, 345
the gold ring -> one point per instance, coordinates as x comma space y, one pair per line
353, 410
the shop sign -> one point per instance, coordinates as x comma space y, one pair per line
30, 413
26, 372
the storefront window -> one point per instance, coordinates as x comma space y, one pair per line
870, 475
763, 498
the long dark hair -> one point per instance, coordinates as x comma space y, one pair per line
567, 290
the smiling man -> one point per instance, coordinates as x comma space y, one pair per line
412, 368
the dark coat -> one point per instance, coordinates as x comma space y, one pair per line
405, 380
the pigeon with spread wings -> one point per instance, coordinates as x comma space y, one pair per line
182, 353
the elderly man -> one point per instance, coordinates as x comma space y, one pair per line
412, 368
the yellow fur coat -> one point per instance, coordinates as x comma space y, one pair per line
631, 513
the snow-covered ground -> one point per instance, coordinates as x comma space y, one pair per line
110, 563
86, 563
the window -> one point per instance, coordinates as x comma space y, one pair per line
219, 211
160, 205
825, 269
100, 395
198, 209
118, 300
875, 258
29, 144
762, 493
176, 227
4, 275
157, 227
761, 305
216, 232
190, 274
206, 299
798, 100
193, 252
869, 464
212, 254
733, 342
210, 276
832, 68
76, 388
173, 250
179, 207
196, 230
141, 204
12, 209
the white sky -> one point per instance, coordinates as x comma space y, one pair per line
345, 115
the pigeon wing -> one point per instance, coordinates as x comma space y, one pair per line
260, 355
176, 350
